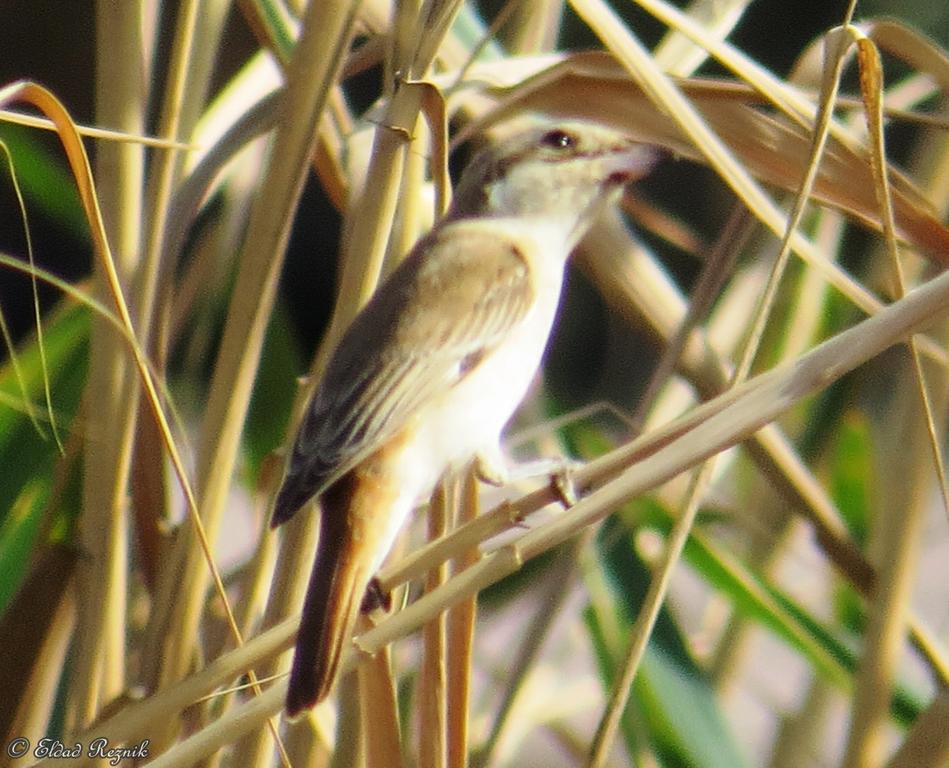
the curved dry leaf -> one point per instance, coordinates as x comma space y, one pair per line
910, 46
774, 148
93, 132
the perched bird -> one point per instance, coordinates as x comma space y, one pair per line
432, 368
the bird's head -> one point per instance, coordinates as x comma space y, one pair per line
563, 172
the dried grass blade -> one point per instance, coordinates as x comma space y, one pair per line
460, 627
772, 148
94, 132
900, 523
328, 28
5, 329
698, 485
735, 415
79, 163
433, 701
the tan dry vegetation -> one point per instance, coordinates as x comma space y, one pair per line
138, 631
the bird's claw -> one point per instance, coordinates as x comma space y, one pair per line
491, 468
375, 598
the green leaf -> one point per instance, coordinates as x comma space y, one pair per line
27, 459
24, 454
756, 599
275, 390
46, 184
673, 698
18, 533
851, 468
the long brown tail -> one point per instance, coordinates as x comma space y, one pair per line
346, 555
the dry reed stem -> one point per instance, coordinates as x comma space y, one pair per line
751, 405
460, 630
158, 198
379, 714
785, 469
100, 652
900, 522
309, 80
432, 714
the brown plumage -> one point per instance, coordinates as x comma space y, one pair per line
349, 524
435, 364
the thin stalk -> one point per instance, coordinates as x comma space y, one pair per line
319, 54
460, 627
646, 620
433, 704
549, 604
675, 543
900, 522
757, 401
99, 657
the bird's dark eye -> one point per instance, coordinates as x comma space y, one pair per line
558, 139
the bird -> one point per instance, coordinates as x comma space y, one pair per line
430, 370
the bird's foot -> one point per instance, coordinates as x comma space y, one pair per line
375, 598
494, 470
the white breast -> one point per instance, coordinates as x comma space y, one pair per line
470, 416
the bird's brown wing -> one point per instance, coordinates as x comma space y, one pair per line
454, 298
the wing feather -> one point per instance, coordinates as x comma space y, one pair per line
457, 295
